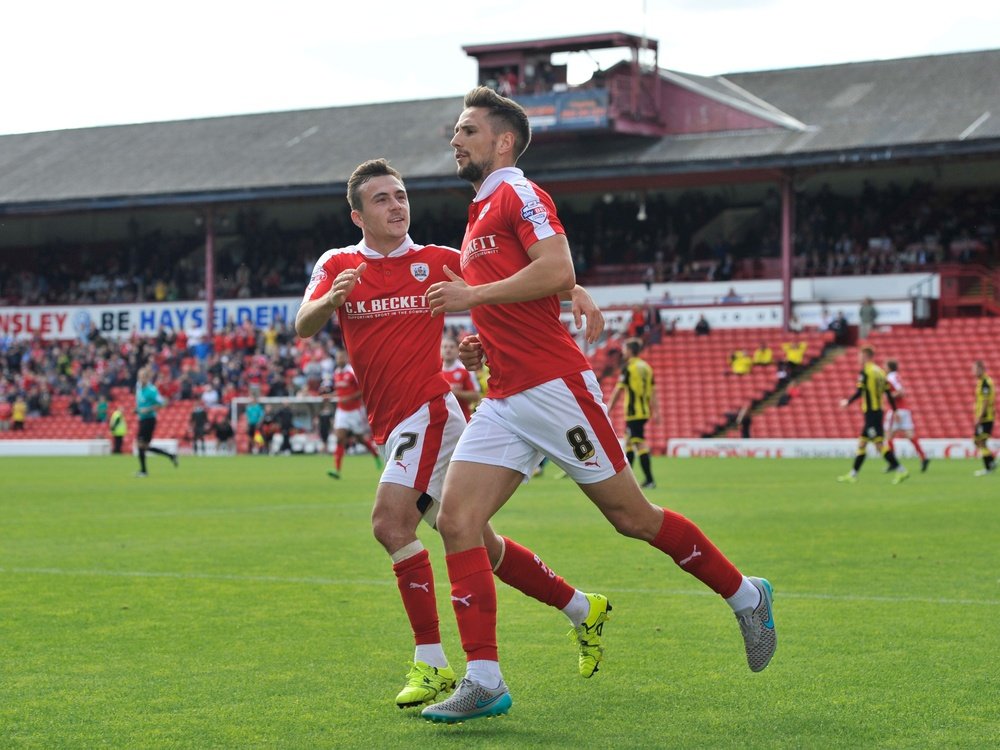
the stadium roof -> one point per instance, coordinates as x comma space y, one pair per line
830, 115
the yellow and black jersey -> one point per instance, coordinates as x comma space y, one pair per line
637, 382
871, 387
986, 406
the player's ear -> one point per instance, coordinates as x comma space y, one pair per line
358, 219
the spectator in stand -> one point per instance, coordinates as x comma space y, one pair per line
867, 314
702, 328
19, 413
840, 328
740, 363
794, 325
731, 298
101, 410
5, 414
762, 355
795, 355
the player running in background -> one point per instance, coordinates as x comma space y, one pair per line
900, 418
544, 399
463, 383
636, 383
350, 420
147, 403
377, 289
985, 414
871, 389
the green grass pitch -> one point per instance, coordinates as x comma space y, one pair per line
243, 603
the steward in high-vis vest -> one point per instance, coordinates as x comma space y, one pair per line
119, 428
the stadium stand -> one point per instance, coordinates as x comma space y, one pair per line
698, 394
936, 368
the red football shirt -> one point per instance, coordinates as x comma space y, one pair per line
896, 389
347, 389
525, 342
392, 340
465, 380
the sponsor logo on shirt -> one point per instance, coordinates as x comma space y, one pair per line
478, 247
483, 211
535, 212
382, 306
420, 271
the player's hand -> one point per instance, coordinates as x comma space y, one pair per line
470, 351
344, 284
450, 296
585, 307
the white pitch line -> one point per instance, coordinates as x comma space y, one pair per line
319, 581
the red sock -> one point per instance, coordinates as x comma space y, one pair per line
917, 448
370, 446
338, 455
693, 552
525, 571
415, 579
474, 598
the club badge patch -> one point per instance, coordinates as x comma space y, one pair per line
535, 212
420, 271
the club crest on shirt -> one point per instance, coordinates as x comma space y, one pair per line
483, 211
534, 212
420, 271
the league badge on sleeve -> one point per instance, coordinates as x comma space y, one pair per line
535, 212
420, 271
316, 279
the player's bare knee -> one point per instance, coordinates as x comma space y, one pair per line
390, 532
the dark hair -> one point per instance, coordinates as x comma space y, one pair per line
504, 115
892, 365
868, 351
634, 346
364, 172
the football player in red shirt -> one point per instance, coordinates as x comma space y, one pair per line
350, 419
544, 399
463, 383
899, 421
377, 289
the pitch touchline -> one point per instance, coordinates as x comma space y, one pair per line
319, 581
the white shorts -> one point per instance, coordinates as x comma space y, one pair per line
417, 451
901, 420
354, 421
564, 419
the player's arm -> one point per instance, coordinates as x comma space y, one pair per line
845, 402
654, 405
891, 400
314, 314
549, 272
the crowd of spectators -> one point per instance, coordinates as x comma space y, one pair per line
887, 230
239, 361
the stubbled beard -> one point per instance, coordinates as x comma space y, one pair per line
472, 172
